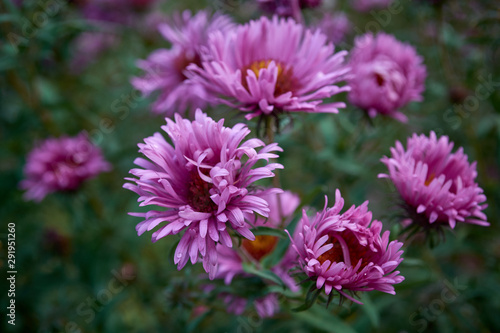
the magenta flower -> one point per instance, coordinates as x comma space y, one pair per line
386, 75
61, 164
367, 5
270, 66
438, 186
345, 251
335, 27
281, 208
165, 68
203, 180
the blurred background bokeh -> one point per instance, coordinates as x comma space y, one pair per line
66, 67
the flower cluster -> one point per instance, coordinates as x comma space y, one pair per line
203, 180
208, 183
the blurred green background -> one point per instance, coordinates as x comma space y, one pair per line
81, 266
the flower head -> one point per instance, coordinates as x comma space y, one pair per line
346, 252
204, 180
165, 68
386, 75
269, 66
437, 186
61, 164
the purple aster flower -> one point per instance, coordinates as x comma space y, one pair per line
61, 164
437, 186
335, 27
367, 5
204, 181
270, 66
345, 251
165, 68
281, 208
386, 75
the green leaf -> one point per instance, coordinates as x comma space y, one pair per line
262, 230
264, 274
370, 310
8, 18
194, 323
311, 297
277, 254
321, 318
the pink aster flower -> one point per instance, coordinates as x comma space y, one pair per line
367, 5
270, 66
438, 186
335, 27
165, 68
61, 164
204, 181
281, 208
346, 252
386, 75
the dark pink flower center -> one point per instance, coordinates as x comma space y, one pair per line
261, 246
185, 60
346, 248
379, 79
199, 194
284, 83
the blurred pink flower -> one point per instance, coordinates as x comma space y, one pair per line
335, 27
266, 306
204, 180
165, 68
366, 5
345, 252
61, 164
287, 8
271, 66
89, 46
386, 75
438, 186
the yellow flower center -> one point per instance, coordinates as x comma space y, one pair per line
284, 83
429, 179
261, 246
